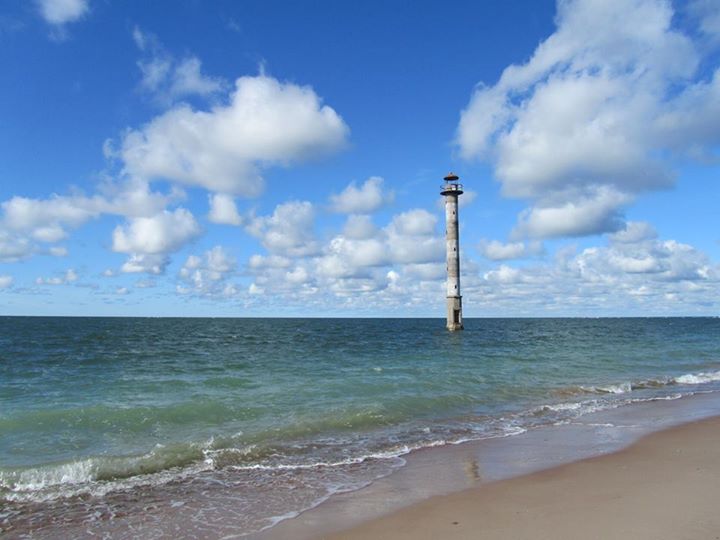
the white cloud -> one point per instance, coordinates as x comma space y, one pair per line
707, 14
659, 261
188, 80
5, 281
352, 258
163, 233
412, 238
25, 221
359, 227
45, 219
634, 232
362, 260
121, 291
155, 72
399, 267
223, 210
14, 248
69, 276
417, 222
59, 12
148, 240
224, 149
168, 79
270, 261
207, 275
289, 231
367, 198
145, 263
504, 274
645, 275
265, 123
594, 118
141, 39
497, 251
585, 214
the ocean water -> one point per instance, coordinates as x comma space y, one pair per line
154, 426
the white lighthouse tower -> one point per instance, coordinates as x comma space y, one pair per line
451, 191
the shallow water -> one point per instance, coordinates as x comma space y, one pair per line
251, 420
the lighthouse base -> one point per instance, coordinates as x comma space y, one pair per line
454, 313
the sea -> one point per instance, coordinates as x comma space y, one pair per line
207, 428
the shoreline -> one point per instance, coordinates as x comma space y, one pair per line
664, 486
454, 475
425, 474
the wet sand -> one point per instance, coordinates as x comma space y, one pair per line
665, 486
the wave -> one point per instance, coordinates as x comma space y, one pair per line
342, 440
698, 378
630, 386
80, 474
621, 388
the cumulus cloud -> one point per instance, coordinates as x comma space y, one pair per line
707, 14
634, 233
594, 118
14, 248
367, 198
634, 273
162, 233
498, 251
399, 267
362, 259
258, 262
168, 79
223, 210
69, 276
25, 222
5, 282
60, 12
266, 122
364, 251
207, 275
145, 263
359, 227
412, 238
660, 261
289, 231
590, 213
46, 220
148, 240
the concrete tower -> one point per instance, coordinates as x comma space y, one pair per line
451, 191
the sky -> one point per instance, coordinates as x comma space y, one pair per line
267, 158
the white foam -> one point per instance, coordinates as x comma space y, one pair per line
563, 407
622, 388
698, 378
77, 472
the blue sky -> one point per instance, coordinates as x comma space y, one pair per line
284, 158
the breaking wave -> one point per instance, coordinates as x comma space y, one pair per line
102, 474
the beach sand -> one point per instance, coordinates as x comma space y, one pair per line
665, 486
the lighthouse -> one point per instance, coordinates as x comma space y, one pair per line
451, 190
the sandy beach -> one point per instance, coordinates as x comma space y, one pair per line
665, 486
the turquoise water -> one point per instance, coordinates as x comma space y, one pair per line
276, 414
